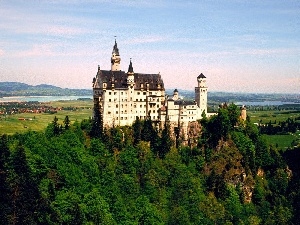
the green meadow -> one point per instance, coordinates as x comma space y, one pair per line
281, 141
11, 124
266, 116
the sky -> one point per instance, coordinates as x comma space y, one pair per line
239, 45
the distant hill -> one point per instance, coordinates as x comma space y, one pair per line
22, 89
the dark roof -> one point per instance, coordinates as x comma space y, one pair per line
201, 76
175, 90
183, 102
119, 78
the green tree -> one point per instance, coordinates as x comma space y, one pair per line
5, 200
56, 127
166, 141
97, 122
213, 209
26, 195
147, 213
137, 131
96, 209
67, 123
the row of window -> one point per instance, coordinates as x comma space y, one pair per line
124, 92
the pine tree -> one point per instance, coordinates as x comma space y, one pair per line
5, 200
67, 123
56, 128
97, 126
147, 130
166, 141
137, 131
25, 197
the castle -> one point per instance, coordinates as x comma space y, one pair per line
124, 96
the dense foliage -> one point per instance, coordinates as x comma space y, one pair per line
76, 174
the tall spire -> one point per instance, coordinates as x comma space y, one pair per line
115, 49
130, 68
115, 58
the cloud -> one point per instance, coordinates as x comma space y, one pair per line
268, 52
146, 39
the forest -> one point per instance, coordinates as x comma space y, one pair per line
82, 173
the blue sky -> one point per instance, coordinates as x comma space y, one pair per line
241, 46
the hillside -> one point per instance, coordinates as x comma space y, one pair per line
73, 173
22, 89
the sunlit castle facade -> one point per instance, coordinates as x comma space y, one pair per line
124, 96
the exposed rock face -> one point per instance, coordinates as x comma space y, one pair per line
226, 163
193, 131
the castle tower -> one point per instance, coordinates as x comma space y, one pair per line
130, 75
201, 94
115, 58
243, 115
175, 95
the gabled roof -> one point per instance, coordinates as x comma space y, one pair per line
119, 79
201, 76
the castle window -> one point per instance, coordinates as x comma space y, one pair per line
109, 93
117, 113
144, 93
121, 118
117, 105
121, 92
109, 100
150, 93
108, 112
138, 93
115, 93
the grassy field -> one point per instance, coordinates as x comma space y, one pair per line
38, 121
266, 116
282, 141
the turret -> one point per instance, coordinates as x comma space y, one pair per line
175, 95
115, 58
130, 75
201, 80
243, 114
201, 94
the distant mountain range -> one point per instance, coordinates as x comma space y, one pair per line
22, 89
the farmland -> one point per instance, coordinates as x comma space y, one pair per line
22, 122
